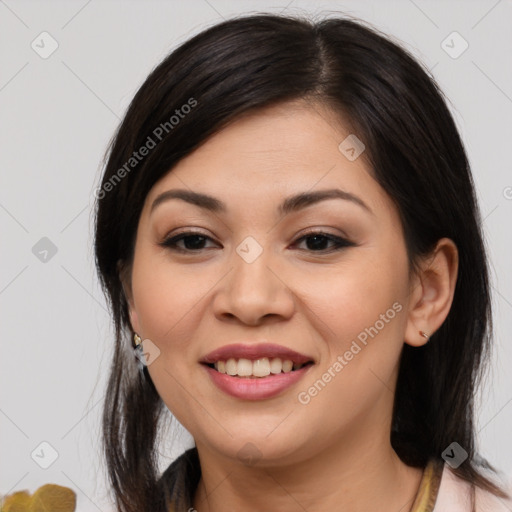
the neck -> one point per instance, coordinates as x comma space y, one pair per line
352, 476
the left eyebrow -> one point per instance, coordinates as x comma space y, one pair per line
289, 205
304, 199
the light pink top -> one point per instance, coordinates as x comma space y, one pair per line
455, 496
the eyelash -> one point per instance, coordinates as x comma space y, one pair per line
339, 243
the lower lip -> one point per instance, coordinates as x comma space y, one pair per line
256, 388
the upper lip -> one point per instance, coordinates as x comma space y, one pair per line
253, 352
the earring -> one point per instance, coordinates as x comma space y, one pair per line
425, 335
138, 346
138, 352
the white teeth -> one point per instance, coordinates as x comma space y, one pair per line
287, 366
261, 367
231, 366
244, 368
276, 365
258, 368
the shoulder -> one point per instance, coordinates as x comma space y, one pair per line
454, 495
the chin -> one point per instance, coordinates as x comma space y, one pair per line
255, 447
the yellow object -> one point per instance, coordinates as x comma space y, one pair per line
429, 487
49, 497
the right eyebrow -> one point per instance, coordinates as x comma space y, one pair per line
202, 200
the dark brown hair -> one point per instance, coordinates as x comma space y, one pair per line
416, 154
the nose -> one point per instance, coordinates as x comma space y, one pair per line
254, 292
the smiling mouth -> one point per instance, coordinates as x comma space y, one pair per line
257, 368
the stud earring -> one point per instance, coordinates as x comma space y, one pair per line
138, 351
425, 335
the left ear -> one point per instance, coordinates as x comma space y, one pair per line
432, 292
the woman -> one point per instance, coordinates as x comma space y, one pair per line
288, 234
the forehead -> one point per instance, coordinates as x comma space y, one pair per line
275, 151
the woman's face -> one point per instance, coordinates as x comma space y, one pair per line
253, 273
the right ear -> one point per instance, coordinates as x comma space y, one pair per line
124, 273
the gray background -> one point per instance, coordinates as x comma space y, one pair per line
57, 116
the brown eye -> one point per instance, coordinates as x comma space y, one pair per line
317, 242
192, 242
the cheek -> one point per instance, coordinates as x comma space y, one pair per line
366, 320
349, 299
361, 310
168, 304
165, 297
